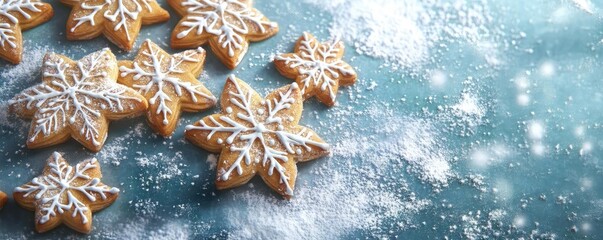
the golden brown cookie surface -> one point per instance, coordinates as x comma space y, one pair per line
118, 20
76, 99
228, 26
17, 15
258, 136
317, 68
3, 199
66, 194
168, 82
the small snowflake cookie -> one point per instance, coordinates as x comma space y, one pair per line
317, 68
17, 15
255, 135
3, 199
168, 82
118, 20
76, 99
228, 26
66, 194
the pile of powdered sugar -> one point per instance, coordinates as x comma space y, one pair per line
405, 33
333, 205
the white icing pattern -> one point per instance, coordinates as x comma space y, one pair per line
57, 191
315, 64
226, 19
250, 126
156, 73
71, 91
8, 9
123, 11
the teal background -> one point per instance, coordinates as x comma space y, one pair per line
175, 190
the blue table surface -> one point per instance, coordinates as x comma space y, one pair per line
463, 145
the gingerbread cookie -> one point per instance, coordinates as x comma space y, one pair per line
118, 20
168, 82
255, 135
228, 25
317, 68
66, 194
3, 199
17, 15
76, 99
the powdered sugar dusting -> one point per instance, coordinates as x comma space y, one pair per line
335, 206
24, 72
405, 32
419, 145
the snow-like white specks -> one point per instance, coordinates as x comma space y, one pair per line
437, 79
547, 69
536, 132
522, 86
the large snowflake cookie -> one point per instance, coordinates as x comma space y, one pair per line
118, 20
255, 135
228, 25
317, 68
66, 194
17, 15
169, 84
3, 199
76, 99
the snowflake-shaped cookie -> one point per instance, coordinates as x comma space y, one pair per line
228, 25
258, 135
317, 68
17, 15
3, 199
66, 194
118, 20
168, 82
76, 99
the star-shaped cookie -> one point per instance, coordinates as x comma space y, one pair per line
76, 99
3, 199
15, 16
118, 20
168, 82
317, 68
66, 194
228, 25
255, 135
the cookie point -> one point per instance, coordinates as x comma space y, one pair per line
200, 50
232, 77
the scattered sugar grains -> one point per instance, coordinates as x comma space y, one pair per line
114, 151
465, 115
24, 72
334, 207
141, 229
19, 76
212, 161
403, 32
